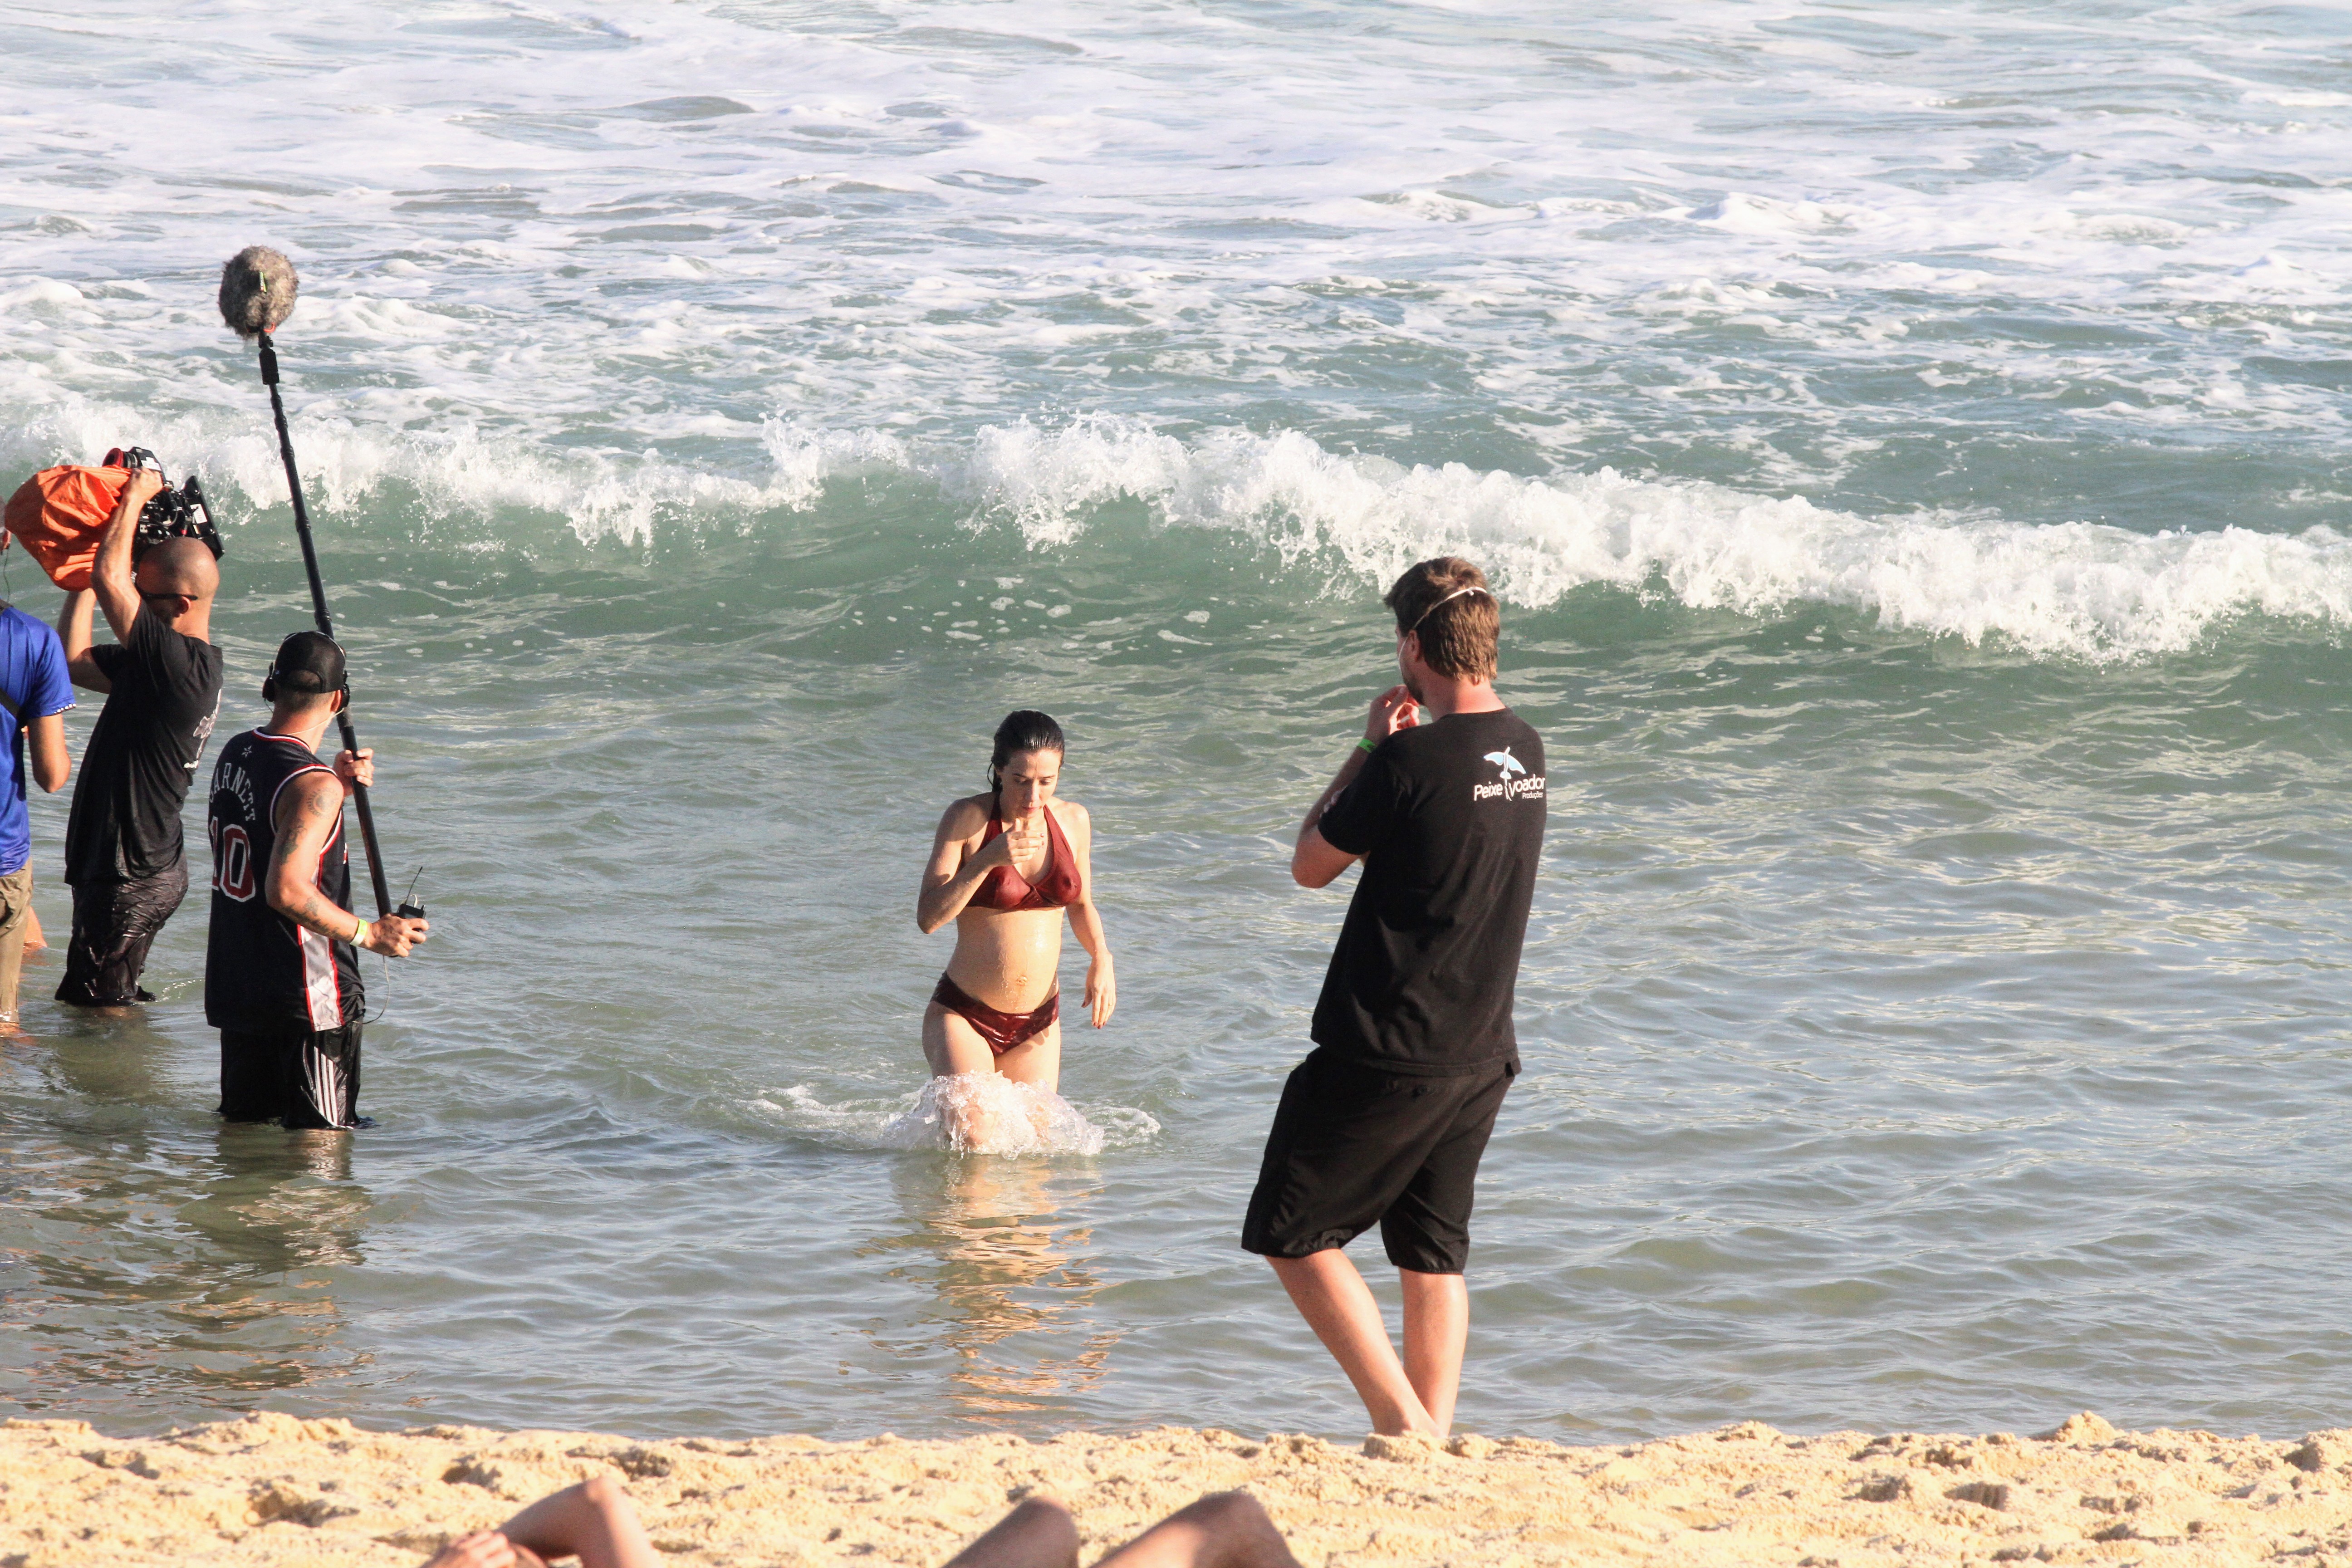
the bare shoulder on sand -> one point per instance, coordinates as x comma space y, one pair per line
274, 1490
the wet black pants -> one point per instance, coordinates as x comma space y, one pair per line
114, 924
298, 1079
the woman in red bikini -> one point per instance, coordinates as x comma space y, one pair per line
1004, 866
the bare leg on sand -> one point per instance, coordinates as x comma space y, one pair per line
1226, 1530
1415, 1394
594, 1522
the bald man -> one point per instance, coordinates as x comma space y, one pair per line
161, 675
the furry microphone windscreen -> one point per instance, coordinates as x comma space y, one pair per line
256, 292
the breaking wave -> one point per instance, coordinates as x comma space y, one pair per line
2076, 590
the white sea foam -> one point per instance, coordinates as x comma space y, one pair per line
2076, 589
1008, 1118
456, 475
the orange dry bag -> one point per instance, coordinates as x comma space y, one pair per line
60, 514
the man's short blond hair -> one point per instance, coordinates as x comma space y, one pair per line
1445, 602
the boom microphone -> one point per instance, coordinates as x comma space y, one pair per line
257, 292
257, 295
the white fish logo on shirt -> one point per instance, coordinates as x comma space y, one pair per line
1507, 763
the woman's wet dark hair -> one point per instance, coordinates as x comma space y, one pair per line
1024, 729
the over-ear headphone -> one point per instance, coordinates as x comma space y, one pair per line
270, 687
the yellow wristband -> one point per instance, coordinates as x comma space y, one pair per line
359, 933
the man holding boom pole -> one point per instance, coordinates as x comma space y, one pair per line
281, 971
281, 966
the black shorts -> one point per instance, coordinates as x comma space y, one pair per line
296, 1079
1353, 1144
114, 924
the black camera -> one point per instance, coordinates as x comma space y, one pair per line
169, 513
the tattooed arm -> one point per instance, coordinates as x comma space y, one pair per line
309, 808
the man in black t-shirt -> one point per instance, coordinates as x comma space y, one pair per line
1385, 1121
124, 854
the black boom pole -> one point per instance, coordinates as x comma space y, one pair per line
319, 608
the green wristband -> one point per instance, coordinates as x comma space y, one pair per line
1367, 744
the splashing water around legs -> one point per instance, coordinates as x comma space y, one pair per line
988, 1113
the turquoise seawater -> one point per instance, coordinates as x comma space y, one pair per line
1910, 446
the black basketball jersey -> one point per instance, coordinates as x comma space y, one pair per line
263, 972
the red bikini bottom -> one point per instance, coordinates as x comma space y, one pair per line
1002, 1031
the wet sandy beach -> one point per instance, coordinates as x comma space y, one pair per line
271, 1489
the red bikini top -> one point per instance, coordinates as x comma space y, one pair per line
1059, 885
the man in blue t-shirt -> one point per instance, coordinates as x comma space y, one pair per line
37, 690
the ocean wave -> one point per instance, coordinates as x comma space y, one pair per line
460, 475
2076, 589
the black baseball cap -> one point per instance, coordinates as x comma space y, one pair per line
308, 664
